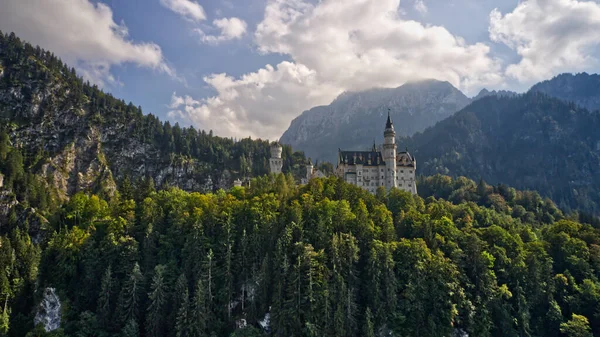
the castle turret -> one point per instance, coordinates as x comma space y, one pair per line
309, 170
389, 153
276, 163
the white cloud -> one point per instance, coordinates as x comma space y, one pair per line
230, 29
420, 6
336, 45
257, 104
82, 34
188, 9
550, 36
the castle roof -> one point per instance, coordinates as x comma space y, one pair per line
367, 158
388, 123
405, 159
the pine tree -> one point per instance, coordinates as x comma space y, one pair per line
104, 303
368, 329
131, 329
129, 304
157, 297
200, 311
182, 321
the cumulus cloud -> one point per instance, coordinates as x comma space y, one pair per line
258, 104
335, 46
550, 36
230, 29
189, 9
82, 34
420, 6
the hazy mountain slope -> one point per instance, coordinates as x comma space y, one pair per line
582, 88
485, 93
531, 141
354, 120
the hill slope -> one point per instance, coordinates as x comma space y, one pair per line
78, 138
353, 120
582, 89
530, 141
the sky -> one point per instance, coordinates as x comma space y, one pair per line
249, 67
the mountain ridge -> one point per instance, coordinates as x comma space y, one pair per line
352, 115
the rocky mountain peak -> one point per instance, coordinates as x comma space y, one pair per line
353, 119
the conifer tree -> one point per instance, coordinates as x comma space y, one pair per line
200, 311
104, 302
182, 321
157, 299
130, 297
368, 329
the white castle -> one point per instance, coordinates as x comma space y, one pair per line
275, 162
371, 169
366, 169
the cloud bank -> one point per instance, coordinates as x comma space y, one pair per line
550, 36
82, 33
335, 46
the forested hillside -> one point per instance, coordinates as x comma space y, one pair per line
78, 138
324, 259
531, 141
582, 89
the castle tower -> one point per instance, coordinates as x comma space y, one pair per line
275, 162
309, 170
389, 153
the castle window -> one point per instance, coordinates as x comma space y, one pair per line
410, 171
401, 171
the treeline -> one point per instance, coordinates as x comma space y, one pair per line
324, 259
42, 93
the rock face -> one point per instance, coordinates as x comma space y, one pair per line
78, 138
48, 313
583, 89
502, 93
354, 120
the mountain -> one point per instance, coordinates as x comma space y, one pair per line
75, 137
484, 93
529, 141
582, 89
354, 119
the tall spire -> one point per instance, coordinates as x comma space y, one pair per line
388, 124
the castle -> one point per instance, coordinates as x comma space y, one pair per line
367, 169
371, 169
275, 162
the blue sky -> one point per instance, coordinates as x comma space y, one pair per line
247, 68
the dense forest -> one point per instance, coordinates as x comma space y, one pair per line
530, 141
323, 259
94, 210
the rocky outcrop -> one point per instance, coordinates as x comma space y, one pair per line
501, 93
354, 120
49, 311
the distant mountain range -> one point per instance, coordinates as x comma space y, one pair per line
546, 139
583, 89
355, 119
